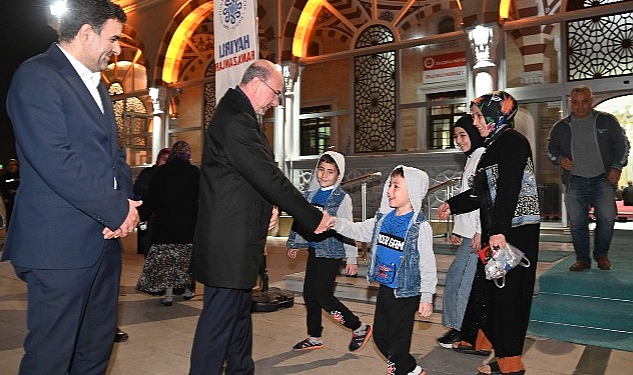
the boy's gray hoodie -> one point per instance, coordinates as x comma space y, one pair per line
329, 244
417, 272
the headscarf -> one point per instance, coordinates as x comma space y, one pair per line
466, 122
499, 109
180, 150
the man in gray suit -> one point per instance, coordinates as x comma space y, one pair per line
74, 201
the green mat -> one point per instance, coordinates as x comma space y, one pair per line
555, 238
593, 307
550, 256
547, 256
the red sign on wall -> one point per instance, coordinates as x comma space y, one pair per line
446, 67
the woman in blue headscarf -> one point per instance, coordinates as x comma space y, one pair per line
505, 191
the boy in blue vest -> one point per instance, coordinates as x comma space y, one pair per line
325, 253
402, 262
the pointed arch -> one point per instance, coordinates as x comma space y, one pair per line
181, 27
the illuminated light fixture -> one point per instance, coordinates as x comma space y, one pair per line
304, 27
482, 40
58, 8
504, 9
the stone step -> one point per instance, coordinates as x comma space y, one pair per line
356, 288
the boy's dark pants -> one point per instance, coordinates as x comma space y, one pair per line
393, 327
318, 292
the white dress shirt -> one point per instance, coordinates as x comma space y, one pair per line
90, 79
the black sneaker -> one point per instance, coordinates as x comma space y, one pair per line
451, 336
308, 344
360, 337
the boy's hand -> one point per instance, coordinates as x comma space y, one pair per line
425, 309
351, 269
291, 253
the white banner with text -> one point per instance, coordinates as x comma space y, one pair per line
236, 43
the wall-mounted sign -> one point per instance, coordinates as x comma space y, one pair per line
446, 67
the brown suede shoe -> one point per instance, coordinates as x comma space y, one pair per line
579, 266
603, 262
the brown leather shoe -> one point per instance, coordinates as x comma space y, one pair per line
603, 262
579, 266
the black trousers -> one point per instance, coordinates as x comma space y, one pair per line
393, 327
224, 332
318, 293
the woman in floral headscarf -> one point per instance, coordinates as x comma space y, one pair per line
172, 199
505, 191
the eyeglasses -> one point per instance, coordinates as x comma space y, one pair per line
277, 92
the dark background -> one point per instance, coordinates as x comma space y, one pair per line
24, 32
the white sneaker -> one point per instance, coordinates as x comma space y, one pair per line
416, 371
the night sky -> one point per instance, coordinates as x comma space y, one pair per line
24, 32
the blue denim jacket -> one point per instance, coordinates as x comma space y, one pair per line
332, 245
417, 272
409, 276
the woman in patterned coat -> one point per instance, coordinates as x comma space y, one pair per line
505, 191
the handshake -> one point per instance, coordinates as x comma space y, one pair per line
327, 222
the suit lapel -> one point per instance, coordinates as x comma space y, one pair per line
104, 120
76, 83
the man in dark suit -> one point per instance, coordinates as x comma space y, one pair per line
74, 200
240, 182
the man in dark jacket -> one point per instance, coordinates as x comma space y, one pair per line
591, 148
240, 182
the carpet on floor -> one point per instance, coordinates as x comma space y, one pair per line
592, 307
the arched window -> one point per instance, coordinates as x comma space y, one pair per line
375, 94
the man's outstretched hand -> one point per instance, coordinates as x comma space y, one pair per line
327, 222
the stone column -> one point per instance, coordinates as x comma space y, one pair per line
159, 101
287, 119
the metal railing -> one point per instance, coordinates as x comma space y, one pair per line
440, 193
362, 180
